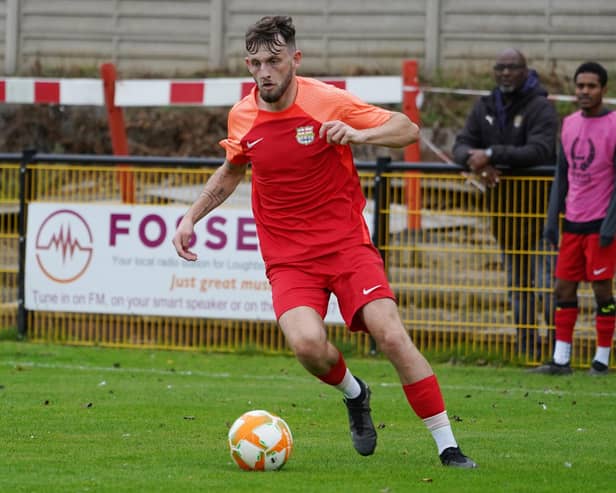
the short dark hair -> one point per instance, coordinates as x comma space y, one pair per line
593, 68
267, 32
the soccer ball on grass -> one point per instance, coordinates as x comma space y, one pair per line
260, 441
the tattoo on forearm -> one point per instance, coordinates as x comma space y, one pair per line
217, 189
213, 198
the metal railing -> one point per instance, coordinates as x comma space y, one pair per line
445, 250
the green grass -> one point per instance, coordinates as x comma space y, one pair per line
79, 419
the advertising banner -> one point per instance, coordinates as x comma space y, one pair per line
113, 258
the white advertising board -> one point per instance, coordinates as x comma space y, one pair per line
113, 258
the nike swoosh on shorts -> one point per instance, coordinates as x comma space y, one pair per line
369, 290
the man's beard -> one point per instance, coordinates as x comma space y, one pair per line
273, 97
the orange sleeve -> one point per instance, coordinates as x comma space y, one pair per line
325, 102
240, 121
362, 115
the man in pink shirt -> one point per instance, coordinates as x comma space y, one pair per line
584, 189
307, 203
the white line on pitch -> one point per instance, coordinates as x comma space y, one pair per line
198, 373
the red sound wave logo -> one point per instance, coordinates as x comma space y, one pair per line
64, 246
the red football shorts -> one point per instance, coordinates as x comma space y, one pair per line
356, 276
580, 258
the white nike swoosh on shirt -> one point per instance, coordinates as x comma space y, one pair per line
596, 272
369, 290
250, 145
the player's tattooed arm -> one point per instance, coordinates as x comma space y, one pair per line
216, 190
214, 197
220, 185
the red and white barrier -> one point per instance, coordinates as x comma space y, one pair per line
81, 92
202, 92
156, 92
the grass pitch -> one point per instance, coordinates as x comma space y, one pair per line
79, 419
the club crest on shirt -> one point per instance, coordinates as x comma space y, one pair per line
305, 135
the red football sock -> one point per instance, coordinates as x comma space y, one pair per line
605, 329
425, 397
565, 319
336, 373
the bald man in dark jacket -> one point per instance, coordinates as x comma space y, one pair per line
507, 132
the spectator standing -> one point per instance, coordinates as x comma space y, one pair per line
515, 128
585, 191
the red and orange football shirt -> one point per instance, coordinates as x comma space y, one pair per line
306, 195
